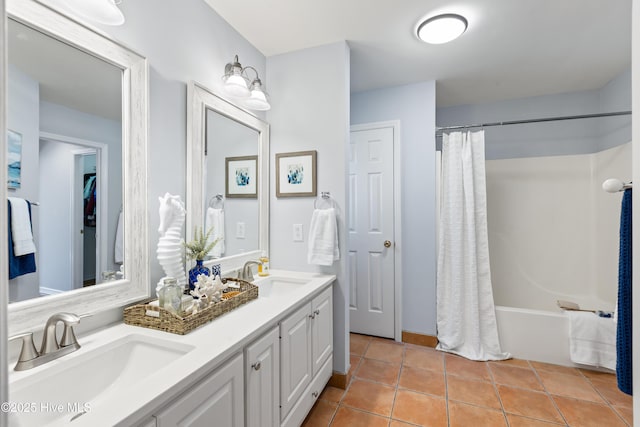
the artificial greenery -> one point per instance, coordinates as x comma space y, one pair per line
198, 248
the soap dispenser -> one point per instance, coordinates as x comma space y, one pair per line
263, 268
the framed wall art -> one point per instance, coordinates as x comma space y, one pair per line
14, 159
296, 174
241, 177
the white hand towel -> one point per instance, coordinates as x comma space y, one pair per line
323, 238
215, 219
21, 227
592, 340
119, 244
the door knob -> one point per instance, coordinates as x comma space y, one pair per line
387, 243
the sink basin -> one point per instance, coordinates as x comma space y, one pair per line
274, 286
64, 390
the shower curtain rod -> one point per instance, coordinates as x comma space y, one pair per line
439, 130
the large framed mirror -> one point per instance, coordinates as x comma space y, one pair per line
77, 148
228, 177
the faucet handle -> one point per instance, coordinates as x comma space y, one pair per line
68, 335
28, 350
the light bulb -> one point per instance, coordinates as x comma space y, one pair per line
236, 85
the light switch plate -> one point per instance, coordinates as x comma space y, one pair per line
240, 230
297, 233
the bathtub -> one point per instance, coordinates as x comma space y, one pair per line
537, 335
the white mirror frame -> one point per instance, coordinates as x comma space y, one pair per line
32, 314
4, 271
199, 100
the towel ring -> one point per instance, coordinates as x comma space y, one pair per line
217, 201
325, 196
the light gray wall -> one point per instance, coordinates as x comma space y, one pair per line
23, 117
305, 117
195, 46
553, 138
414, 106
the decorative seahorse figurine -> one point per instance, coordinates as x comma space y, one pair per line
170, 249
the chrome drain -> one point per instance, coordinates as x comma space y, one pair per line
78, 415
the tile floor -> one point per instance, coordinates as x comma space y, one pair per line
397, 385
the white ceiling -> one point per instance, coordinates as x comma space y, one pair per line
512, 48
66, 75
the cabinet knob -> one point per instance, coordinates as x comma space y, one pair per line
256, 366
312, 316
314, 394
316, 312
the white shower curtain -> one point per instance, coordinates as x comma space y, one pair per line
465, 309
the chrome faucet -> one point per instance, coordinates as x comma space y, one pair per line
246, 273
51, 348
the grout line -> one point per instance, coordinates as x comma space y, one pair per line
395, 393
620, 416
550, 396
495, 390
608, 404
446, 388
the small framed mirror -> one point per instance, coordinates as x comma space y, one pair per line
227, 178
77, 121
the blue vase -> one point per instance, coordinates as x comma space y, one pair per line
195, 271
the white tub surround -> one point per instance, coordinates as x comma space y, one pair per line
539, 335
199, 354
553, 232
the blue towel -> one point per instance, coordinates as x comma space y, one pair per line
623, 336
19, 265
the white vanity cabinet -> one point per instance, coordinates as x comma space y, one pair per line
306, 349
216, 400
262, 380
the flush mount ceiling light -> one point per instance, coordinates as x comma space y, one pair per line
238, 85
442, 28
101, 11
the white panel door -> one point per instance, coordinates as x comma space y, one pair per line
295, 358
322, 329
371, 232
262, 381
218, 400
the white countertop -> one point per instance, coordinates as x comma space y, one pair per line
213, 343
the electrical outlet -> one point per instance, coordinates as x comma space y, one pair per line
297, 233
240, 230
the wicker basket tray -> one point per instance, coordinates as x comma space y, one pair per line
167, 321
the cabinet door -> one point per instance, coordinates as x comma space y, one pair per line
322, 328
262, 381
295, 357
217, 400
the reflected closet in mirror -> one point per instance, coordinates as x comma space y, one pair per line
77, 126
228, 179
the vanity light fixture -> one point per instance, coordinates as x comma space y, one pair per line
101, 11
238, 85
443, 28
